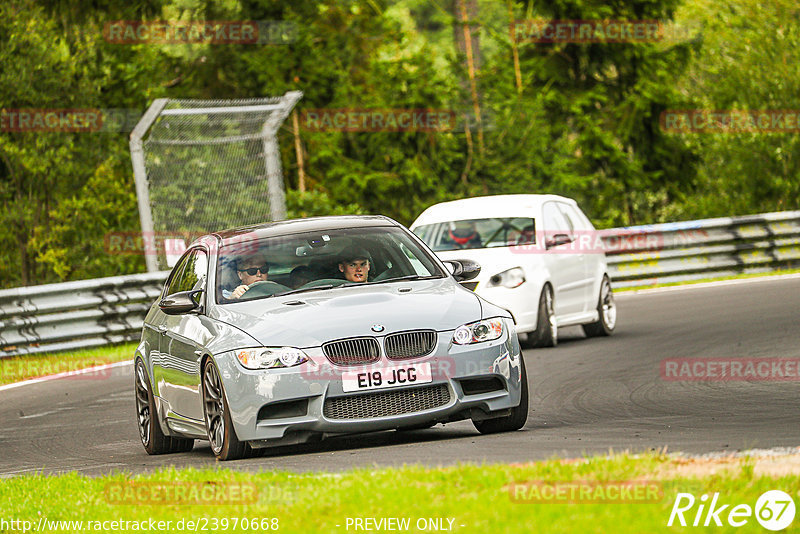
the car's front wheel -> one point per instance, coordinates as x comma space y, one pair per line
518, 416
606, 310
224, 443
153, 439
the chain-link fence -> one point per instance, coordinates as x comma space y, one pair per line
206, 165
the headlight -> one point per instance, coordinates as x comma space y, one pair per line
486, 330
271, 357
511, 278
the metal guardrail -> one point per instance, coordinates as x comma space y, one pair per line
640, 256
91, 313
76, 315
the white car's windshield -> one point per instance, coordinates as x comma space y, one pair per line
319, 261
478, 233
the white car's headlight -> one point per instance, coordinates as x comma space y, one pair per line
271, 357
511, 278
485, 330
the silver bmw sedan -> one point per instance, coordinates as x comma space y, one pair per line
291, 331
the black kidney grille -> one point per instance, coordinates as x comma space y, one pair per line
387, 403
353, 351
405, 345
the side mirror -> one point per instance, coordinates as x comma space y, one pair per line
463, 270
557, 240
180, 303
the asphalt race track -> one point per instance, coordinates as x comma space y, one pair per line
587, 396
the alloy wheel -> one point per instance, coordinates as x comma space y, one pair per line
142, 403
214, 407
608, 304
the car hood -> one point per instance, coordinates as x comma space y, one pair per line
310, 319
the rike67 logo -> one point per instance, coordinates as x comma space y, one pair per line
774, 510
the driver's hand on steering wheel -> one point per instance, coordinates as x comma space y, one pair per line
239, 291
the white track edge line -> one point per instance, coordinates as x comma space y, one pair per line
64, 374
701, 285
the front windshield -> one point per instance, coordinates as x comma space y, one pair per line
319, 261
478, 233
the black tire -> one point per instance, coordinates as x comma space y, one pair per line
518, 416
606, 310
217, 415
546, 334
153, 439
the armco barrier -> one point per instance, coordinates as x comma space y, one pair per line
679, 252
92, 313
75, 315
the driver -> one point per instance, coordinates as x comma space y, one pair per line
355, 264
251, 269
463, 234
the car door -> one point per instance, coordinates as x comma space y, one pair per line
563, 262
586, 254
185, 336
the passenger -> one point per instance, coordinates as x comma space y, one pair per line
355, 264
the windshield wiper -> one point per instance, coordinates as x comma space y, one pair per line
304, 289
326, 286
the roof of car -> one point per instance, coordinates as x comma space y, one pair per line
298, 226
485, 207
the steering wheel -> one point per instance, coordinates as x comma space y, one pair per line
264, 288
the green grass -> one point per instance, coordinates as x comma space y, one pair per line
19, 368
705, 280
475, 496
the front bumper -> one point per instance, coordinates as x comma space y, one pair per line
282, 406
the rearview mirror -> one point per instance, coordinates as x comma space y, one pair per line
557, 240
463, 270
180, 302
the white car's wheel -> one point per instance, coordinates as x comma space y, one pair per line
546, 334
607, 311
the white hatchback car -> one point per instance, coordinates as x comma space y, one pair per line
540, 258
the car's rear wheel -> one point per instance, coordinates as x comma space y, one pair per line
518, 416
546, 334
224, 443
153, 439
606, 310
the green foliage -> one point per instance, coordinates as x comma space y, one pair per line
585, 122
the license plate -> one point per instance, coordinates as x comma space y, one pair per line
386, 377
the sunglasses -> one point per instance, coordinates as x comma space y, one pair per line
253, 270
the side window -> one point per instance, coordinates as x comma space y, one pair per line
578, 219
572, 221
194, 275
554, 222
175, 276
